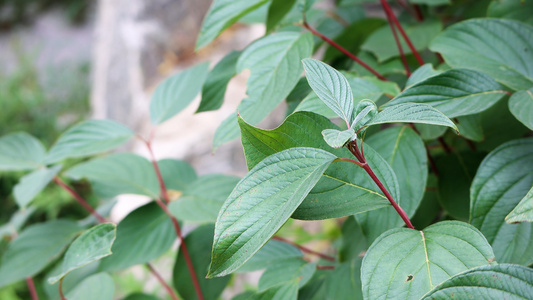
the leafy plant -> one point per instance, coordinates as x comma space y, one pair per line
427, 167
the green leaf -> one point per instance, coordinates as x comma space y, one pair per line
502, 180
336, 138
341, 181
286, 270
91, 245
431, 132
381, 42
521, 106
96, 287
411, 113
69, 283
469, 44
16, 221
176, 92
32, 184
272, 252
331, 87
457, 92
216, 82
277, 11
221, 15
405, 152
122, 173
431, 2
503, 281
145, 234
20, 151
35, 248
429, 208
389, 67
140, 296
344, 282
354, 240
201, 201
88, 138
511, 9
274, 63
364, 112
523, 212
199, 242
177, 174
410, 263
261, 203
422, 73
470, 127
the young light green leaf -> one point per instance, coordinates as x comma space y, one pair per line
221, 15
32, 184
336, 138
422, 73
521, 106
145, 234
201, 200
261, 203
410, 263
523, 212
331, 87
501, 181
411, 113
20, 151
96, 287
456, 92
176, 92
365, 110
468, 44
91, 245
286, 270
122, 173
34, 248
216, 82
88, 138
503, 281
272, 252
199, 242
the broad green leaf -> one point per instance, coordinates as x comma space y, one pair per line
471, 44
21, 151
470, 127
274, 63
177, 174
431, 2
277, 11
429, 208
331, 87
341, 181
411, 113
145, 234
140, 296
91, 245
313, 104
502, 180
216, 82
73, 279
382, 43
272, 252
512, 9
344, 282
521, 106
502, 281
201, 200
261, 203
422, 73
199, 242
221, 15
336, 138
410, 263
286, 270
96, 287
457, 92
431, 132
34, 248
405, 152
523, 212
16, 221
32, 184
389, 67
176, 92
88, 138
122, 173
364, 112
354, 240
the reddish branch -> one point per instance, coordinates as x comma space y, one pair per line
346, 52
304, 249
31, 287
162, 281
80, 200
325, 267
399, 46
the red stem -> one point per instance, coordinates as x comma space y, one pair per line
31, 287
325, 267
444, 145
350, 160
419, 16
399, 46
164, 192
305, 249
162, 281
80, 200
60, 287
346, 52
390, 13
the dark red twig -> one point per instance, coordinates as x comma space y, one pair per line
80, 200
325, 267
346, 52
31, 287
60, 287
170, 291
399, 46
164, 192
305, 249
444, 145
